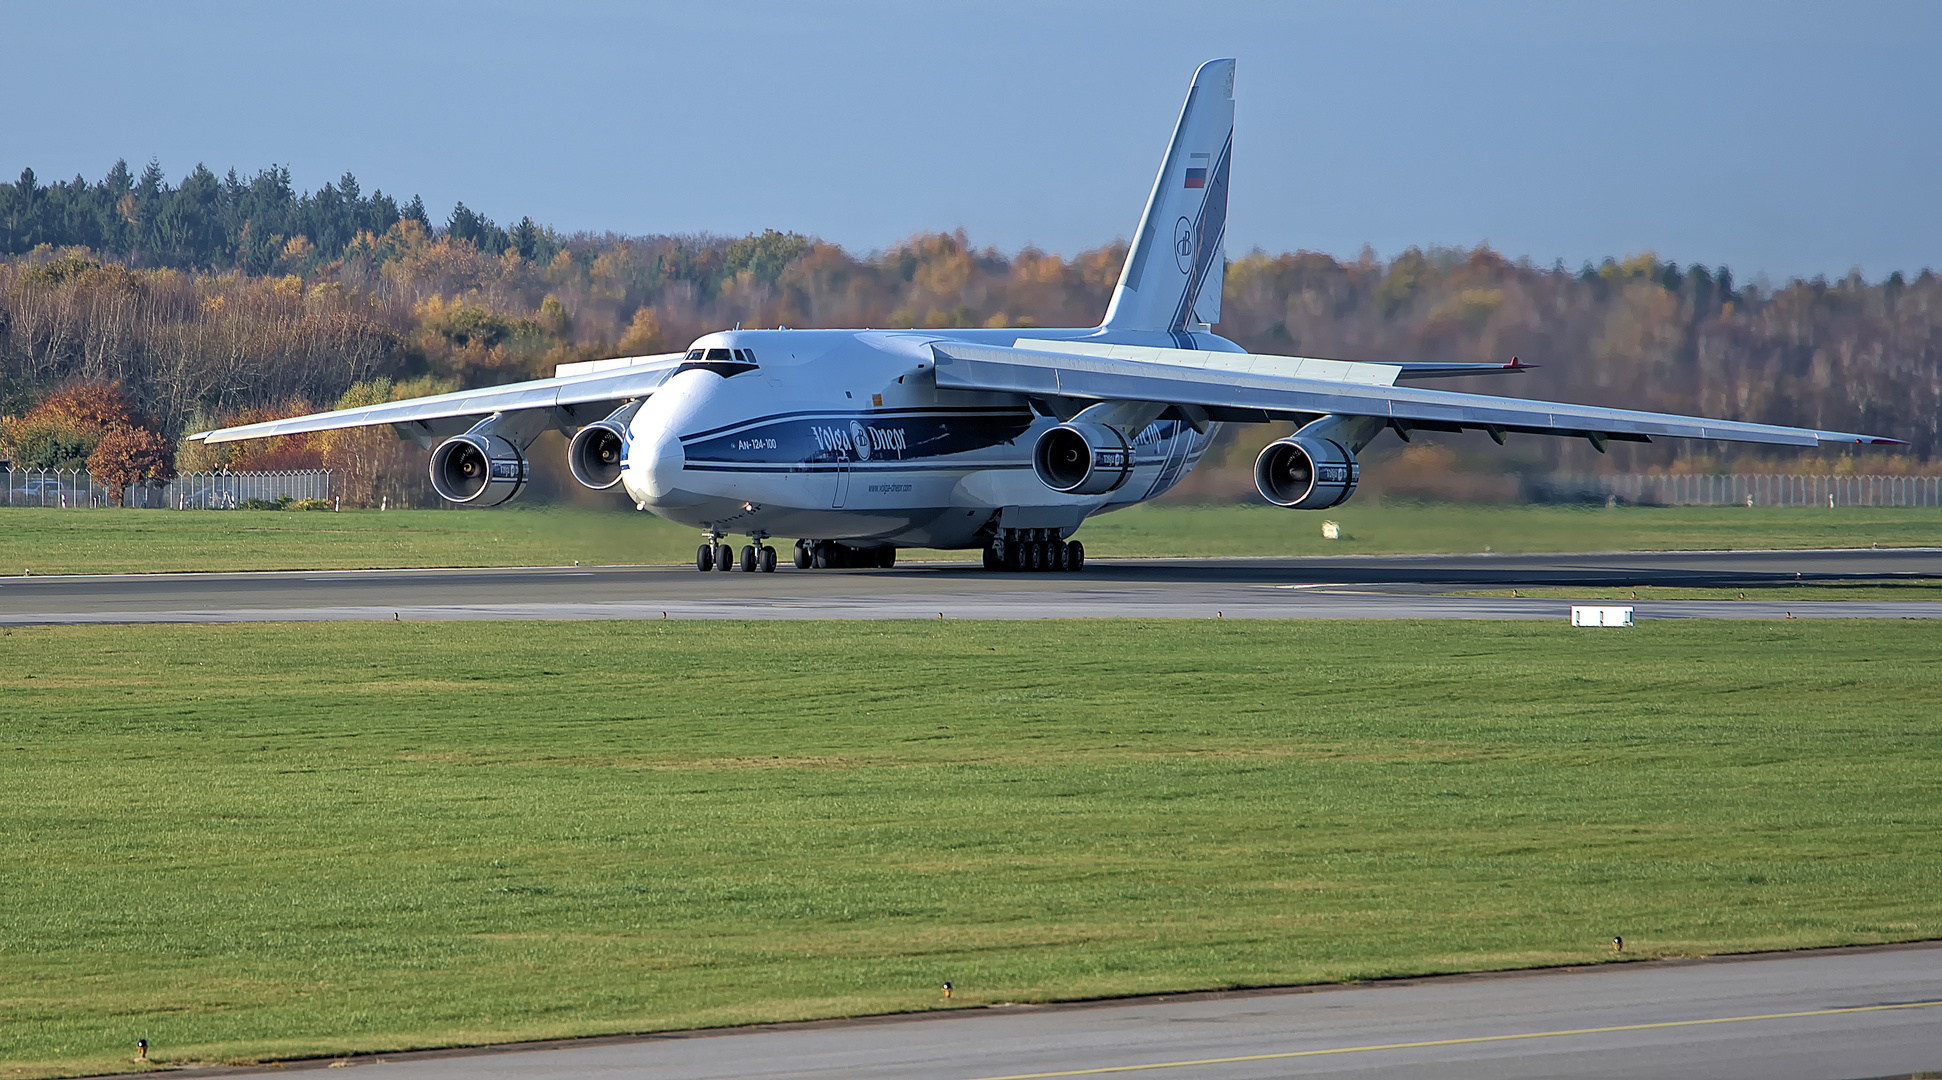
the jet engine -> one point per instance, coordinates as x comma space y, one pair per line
478, 469
1082, 459
594, 455
1303, 472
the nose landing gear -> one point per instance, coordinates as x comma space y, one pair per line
715, 555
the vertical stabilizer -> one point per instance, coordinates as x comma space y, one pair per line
1172, 276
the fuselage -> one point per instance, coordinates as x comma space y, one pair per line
844, 435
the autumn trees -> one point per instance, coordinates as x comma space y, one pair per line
92, 425
222, 297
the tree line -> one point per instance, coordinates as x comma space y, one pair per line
174, 299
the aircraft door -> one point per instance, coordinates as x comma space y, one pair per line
842, 484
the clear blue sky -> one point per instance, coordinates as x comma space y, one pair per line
1780, 138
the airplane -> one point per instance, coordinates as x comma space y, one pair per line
864, 441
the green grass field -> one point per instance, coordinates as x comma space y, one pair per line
143, 541
251, 841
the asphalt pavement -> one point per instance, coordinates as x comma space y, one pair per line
1822, 1015
1269, 588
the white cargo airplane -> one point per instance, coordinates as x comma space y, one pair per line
863, 441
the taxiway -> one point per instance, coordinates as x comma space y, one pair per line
1271, 588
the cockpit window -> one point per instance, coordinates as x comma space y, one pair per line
724, 362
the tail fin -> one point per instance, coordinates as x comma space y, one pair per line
1172, 276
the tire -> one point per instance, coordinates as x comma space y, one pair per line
991, 561
1077, 553
1035, 553
820, 556
768, 559
886, 558
805, 557
1014, 559
749, 558
1061, 556
725, 558
704, 558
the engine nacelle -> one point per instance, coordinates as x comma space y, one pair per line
1082, 459
596, 453
477, 470
1303, 472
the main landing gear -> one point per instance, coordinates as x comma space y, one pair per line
1034, 550
830, 555
716, 555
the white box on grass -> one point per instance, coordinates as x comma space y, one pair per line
1588, 615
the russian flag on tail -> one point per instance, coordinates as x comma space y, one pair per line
1197, 172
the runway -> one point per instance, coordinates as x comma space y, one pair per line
1387, 587
1842, 1013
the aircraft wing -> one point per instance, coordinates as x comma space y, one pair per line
1237, 387
608, 385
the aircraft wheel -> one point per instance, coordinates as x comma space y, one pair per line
1061, 557
1034, 556
768, 559
704, 558
888, 559
804, 556
1076, 552
991, 560
821, 555
725, 558
748, 558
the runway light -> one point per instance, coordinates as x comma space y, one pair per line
1618, 944
141, 1049
947, 991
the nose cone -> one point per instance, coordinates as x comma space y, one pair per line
655, 464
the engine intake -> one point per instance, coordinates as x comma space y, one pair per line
1082, 459
596, 452
477, 470
1302, 472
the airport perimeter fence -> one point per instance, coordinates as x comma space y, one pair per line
74, 488
1739, 489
